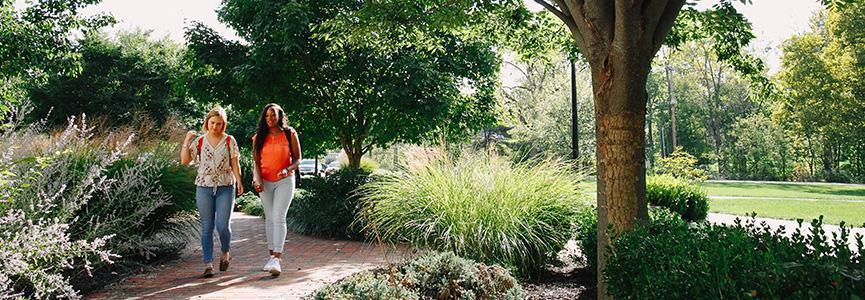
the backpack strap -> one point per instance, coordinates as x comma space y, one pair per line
228, 147
227, 144
288, 133
200, 143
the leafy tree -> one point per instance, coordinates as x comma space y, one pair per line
37, 40
538, 108
710, 97
619, 39
759, 149
340, 95
681, 164
120, 77
823, 98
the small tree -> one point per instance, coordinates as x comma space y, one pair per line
681, 164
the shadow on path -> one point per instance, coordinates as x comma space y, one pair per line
308, 263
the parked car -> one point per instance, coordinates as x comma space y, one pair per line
332, 167
307, 168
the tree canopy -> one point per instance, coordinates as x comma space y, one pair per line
353, 97
38, 40
119, 77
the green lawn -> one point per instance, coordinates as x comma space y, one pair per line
786, 201
781, 190
853, 213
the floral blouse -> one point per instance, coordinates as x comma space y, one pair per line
214, 164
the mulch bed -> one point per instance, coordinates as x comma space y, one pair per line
576, 284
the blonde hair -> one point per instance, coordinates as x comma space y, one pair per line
217, 111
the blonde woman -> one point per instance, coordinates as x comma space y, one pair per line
217, 183
276, 154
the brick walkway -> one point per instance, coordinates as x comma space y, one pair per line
308, 263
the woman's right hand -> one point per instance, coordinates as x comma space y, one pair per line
190, 135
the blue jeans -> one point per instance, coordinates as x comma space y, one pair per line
214, 206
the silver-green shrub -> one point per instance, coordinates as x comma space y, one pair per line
72, 203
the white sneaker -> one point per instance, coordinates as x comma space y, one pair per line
267, 265
273, 266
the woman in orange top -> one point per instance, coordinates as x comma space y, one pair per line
276, 154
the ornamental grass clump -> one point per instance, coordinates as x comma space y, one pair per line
478, 206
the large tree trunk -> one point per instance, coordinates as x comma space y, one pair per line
619, 39
620, 111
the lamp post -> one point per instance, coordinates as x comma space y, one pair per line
575, 125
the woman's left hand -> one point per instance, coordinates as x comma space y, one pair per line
239, 188
282, 174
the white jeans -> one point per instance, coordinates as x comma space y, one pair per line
275, 199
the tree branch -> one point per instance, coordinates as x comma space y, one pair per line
367, 148
665, 23
601, 18
652, 12
593, 39
566, 18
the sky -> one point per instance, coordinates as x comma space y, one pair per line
773, 20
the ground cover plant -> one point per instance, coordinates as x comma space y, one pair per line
432, 276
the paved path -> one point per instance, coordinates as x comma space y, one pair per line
311, 263
790, 226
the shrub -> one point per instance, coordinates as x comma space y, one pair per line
445, 275
681, 164
328, 206
587, 239
670, 259
246, 168
587, 234
678, 195
433, 276
365, 285
479, 207
249, 204
79, 204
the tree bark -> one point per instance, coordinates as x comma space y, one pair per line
619, 39
827, 159
672, 97
620, 111
354, 159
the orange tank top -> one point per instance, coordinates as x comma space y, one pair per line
275, 156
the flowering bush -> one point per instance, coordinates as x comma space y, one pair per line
72, 204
